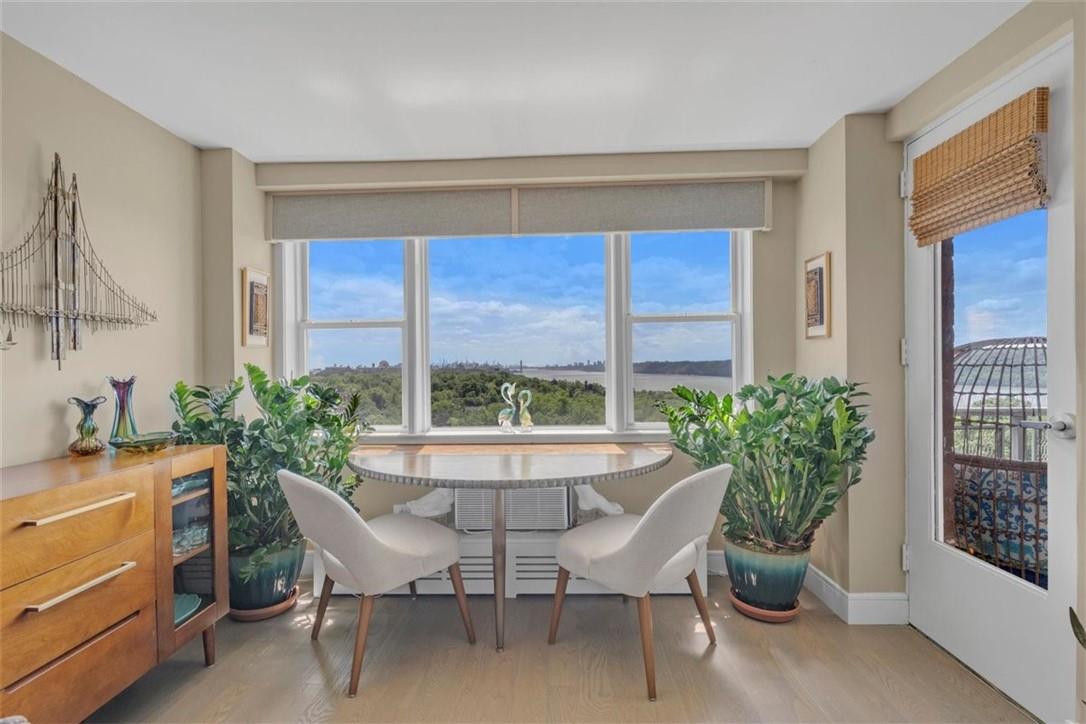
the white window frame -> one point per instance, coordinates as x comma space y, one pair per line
292, 296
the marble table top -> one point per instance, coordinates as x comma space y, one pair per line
506, 466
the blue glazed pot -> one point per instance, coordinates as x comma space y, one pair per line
272, 584
769, 581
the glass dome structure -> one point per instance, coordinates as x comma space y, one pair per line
999, 465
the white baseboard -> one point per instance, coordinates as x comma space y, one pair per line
857, 608
307, 563
715, 563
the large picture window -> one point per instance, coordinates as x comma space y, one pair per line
528, 310
600, 327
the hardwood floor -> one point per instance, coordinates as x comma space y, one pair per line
418, 667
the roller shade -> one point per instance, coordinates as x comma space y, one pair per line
991, 171
524, 210
658, 207
391, 214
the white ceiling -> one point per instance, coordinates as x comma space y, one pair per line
351, 81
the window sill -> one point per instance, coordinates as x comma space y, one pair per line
454, 436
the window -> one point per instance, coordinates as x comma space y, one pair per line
528, 310
600, 327
994, 314
354, 333
681, 320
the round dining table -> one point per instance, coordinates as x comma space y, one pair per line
500, 467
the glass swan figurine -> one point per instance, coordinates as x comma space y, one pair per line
525, 399
505, 417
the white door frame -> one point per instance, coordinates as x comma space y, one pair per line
1012, 633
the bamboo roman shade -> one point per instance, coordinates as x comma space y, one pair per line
990, 171
521, 210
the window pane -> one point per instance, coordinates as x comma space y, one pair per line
680, 272
528, 310
356, 280
693, 354
366, 361
994, 497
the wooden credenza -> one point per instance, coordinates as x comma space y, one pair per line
94, 552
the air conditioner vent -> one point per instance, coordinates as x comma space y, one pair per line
535, 509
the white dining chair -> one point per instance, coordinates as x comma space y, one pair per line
371, 557
634, 554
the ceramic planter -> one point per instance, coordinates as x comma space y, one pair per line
272, 590
765, 585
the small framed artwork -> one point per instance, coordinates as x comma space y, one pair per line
816, 293
255, 307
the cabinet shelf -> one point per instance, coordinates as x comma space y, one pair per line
191, 495
179, 559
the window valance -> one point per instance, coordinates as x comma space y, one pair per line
521, 210
991, 171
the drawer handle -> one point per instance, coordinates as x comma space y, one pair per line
81, 509
45, 606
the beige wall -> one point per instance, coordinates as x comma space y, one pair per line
875, 279
250, 249
233, 238
216, 178
848, 205
773, 293
1032, 29
821, 226
140, 190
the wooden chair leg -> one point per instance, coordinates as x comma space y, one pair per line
699, 601
559, 598
365, 610
209, 645
644, 613
322, 606
414, 590
461, 600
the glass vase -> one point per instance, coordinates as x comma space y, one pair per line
87, 443
124, 424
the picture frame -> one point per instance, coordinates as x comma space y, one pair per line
817, 296
255, 307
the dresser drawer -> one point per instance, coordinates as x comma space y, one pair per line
42, 531
55, 612
73, 686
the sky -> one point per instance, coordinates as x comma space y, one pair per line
534, 299
1001, 279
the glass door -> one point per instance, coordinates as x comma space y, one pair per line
991, 468
192, 545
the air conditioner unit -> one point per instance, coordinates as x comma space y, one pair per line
529, 509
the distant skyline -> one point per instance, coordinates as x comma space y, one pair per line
534, 299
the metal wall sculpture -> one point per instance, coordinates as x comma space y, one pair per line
55, 278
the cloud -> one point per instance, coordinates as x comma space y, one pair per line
350, 296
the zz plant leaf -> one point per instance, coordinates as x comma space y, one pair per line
303, 427
796, 445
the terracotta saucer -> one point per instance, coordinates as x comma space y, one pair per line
259, 614
762, 614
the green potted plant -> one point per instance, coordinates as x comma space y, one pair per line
303, 427
797, 445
